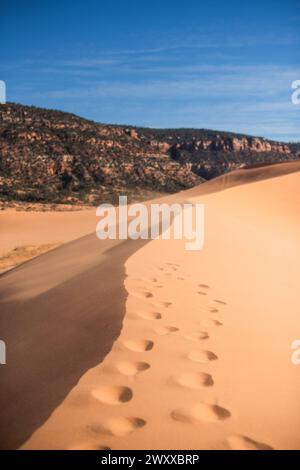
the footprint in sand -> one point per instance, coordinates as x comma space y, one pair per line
132, 368
213, 310
221, 302
150, 315
147, 294
122, 426
203, 286
202, 293
210, 322
114, 395
204, 357
201, 412
139, 345
165, 304
246, 443
198, 337
165, 330
88, 446
194, 379
181, 279
174, 267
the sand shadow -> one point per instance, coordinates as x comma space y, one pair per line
66, 325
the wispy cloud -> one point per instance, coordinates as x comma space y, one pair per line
202, 81
191, 79
88, 62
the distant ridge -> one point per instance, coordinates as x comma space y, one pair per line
54, 156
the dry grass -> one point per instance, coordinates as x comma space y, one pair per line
23, 253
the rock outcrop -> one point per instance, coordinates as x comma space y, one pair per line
53, 156
235, 144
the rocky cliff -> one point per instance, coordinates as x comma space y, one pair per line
212, 153
54, 156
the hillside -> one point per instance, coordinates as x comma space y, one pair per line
53, 156
212, 153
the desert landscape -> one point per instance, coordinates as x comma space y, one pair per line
144, 345
149, 231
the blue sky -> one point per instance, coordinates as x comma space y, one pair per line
218, 65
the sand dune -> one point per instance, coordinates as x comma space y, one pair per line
245, 175
146, 345
25, 235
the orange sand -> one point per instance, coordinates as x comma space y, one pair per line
203, 358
